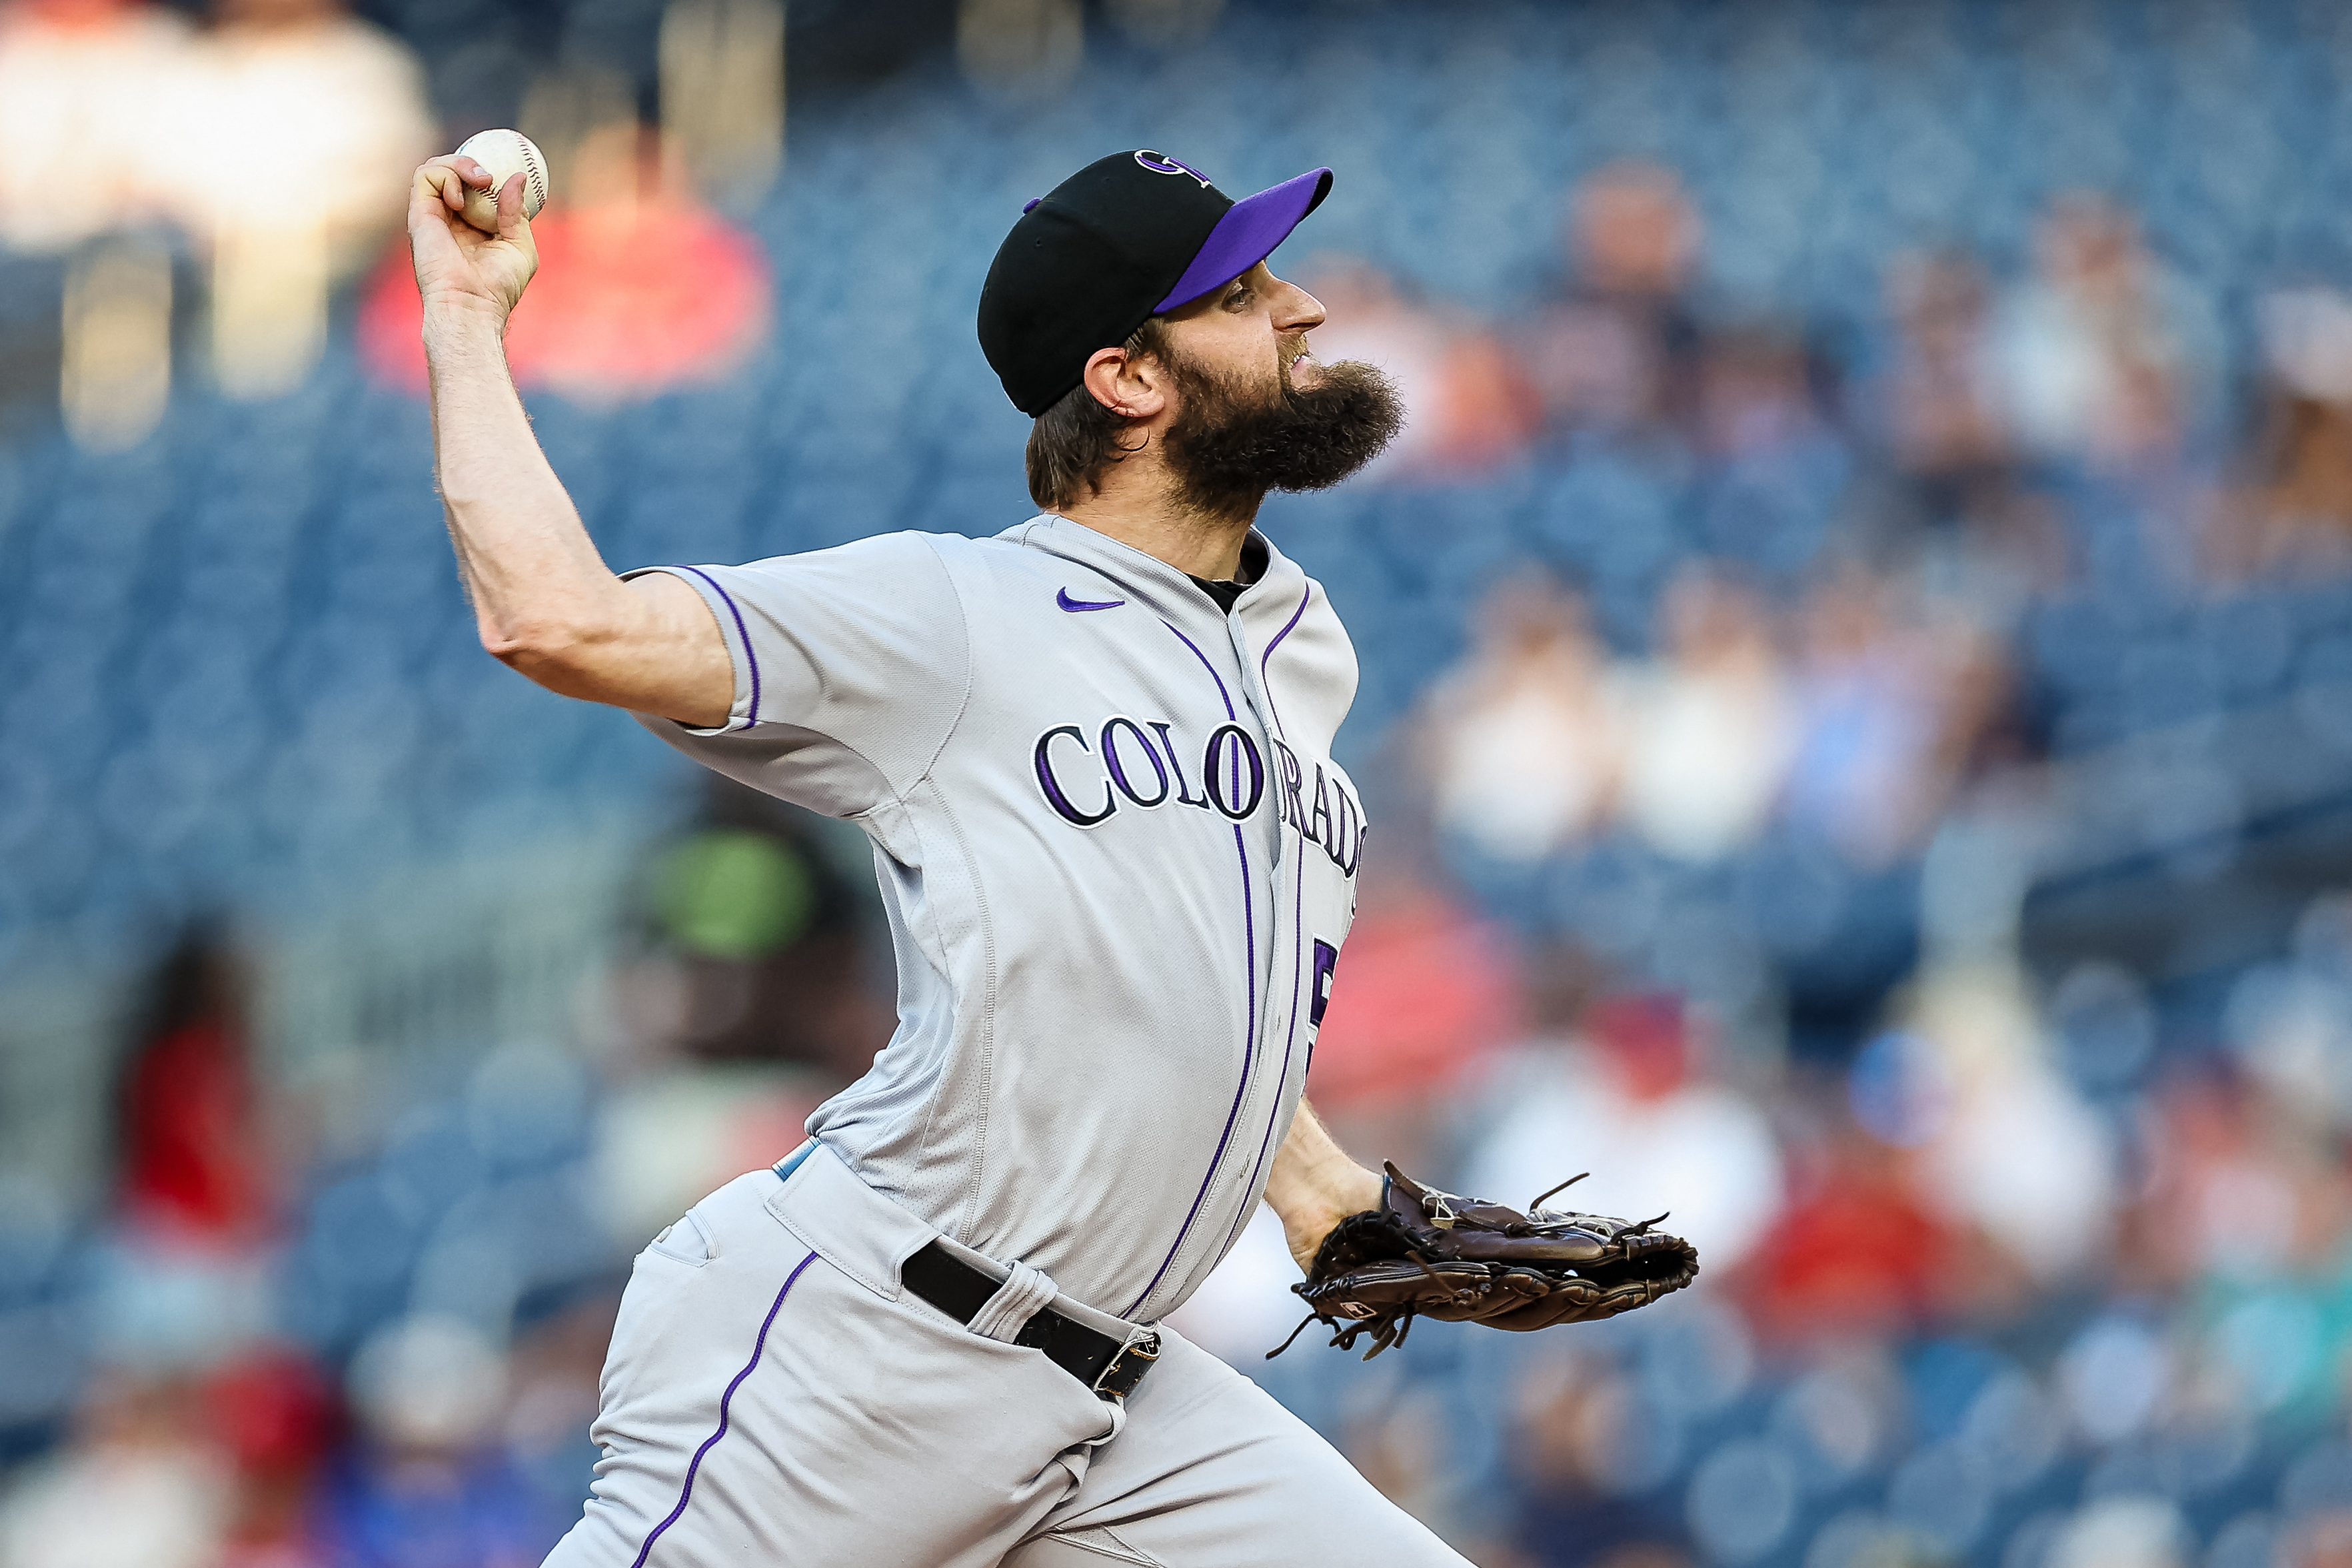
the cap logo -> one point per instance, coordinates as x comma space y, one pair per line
1160, 164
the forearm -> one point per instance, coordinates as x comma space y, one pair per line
1314, 1185
534, 576
544, 601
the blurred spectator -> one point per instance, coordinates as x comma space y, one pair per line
1579, 1453
1892, 696
1775, 468
1854, 1255
1524, 742
1617, 351
1756, 394
1629, 1099
114, 343
137, 1487
1467, 405
272, 1413
2105, 354
1937, 410
192, 1167
86, 132
1424, 992
423, 1487
89, 87
555, 1363
2297, 510
772, 936
182, 1273
2011, 1150
1711, 722
1939, 413
1020, 49
1940, 400
2238, 1188
2290, 1022
340, 105
640, 287
761, 1000
722, 94
673, 1134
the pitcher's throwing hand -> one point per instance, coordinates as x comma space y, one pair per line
459, 266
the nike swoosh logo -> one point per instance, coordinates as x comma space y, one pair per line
1077, 606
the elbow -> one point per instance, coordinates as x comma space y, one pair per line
518, 641
504, 645
547, 651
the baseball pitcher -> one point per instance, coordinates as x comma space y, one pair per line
1093, 756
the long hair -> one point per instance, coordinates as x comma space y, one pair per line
1077, 439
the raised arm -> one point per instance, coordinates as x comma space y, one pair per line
1314, 1186
544, 601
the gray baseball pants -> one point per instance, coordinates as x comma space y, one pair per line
774, 1399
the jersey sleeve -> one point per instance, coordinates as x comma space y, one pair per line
851, 669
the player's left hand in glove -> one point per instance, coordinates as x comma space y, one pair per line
1430, 1254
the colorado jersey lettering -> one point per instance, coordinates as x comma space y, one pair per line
1233, 780
1119, 863
1231, 769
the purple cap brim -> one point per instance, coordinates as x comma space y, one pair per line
1247, 235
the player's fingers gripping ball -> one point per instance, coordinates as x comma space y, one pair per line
1425, 1253
504, 154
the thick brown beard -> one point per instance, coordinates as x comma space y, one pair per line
1234, 442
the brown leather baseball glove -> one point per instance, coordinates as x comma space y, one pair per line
1430, 1254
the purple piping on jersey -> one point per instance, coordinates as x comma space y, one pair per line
1298, 965
1297, 919
1208, 666
726, 1399
1249, 1040
1278, 636
750, 659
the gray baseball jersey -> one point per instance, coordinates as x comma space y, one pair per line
1118, 864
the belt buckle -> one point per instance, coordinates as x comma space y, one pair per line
1127, 1368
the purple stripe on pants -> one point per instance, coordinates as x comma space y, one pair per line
758, 1346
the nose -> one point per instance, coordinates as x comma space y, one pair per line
1294, 309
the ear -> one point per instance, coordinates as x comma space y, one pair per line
1133, 386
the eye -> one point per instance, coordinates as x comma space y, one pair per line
1237, 296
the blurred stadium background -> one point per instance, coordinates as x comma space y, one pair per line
1857, 704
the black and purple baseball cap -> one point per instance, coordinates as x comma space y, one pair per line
1122, 240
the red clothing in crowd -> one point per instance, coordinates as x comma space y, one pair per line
189, 1164
1854, 1252
627, 301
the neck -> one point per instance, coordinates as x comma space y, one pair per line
1143, 511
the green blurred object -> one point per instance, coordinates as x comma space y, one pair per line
733, 894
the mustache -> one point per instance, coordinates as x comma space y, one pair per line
1289, 348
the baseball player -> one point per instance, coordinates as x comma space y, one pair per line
1093, 754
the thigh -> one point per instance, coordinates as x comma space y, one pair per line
760, 1405
1211, 1472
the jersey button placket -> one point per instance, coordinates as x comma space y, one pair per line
1276, 1017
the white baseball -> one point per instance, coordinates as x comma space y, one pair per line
504, 153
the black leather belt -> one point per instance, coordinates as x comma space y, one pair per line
1111, 1367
